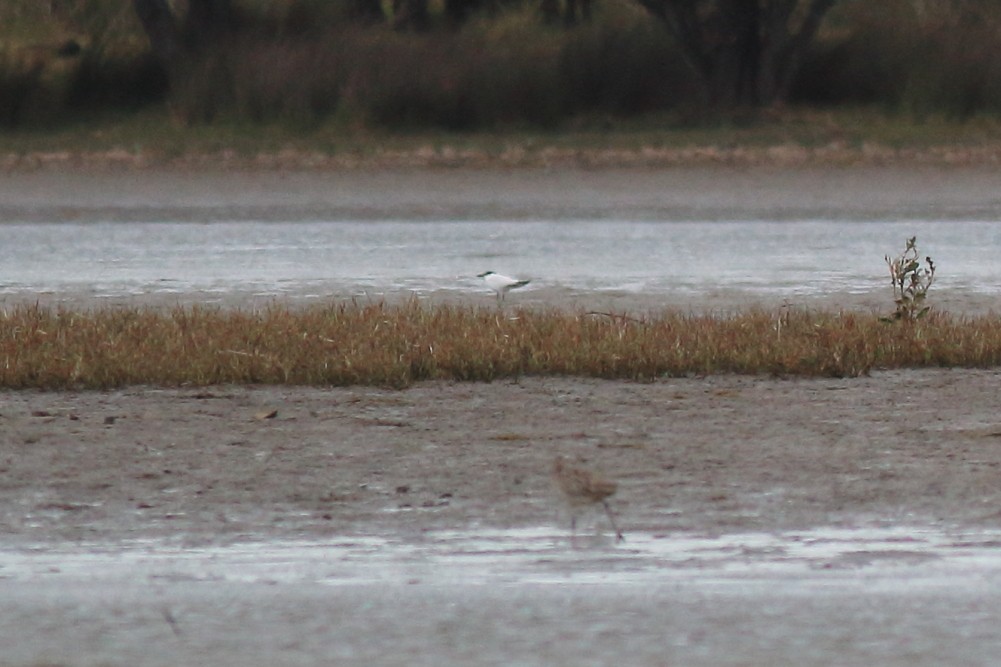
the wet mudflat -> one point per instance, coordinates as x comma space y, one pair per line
767, 520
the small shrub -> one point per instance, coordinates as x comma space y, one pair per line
911, 282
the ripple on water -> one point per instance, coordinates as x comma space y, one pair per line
537, 556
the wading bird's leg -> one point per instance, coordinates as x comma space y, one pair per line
618, 533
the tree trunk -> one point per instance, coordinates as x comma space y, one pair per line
457, 11
411, 14
736, 64
785, 59
550, 10
577, 10
174, 41
161, 29
207, 22
366, 11
746, 52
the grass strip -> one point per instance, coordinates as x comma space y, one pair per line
796, 137
397, 345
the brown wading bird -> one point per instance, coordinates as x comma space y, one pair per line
582, 488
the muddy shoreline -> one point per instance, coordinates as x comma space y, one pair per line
520, 154
710, 454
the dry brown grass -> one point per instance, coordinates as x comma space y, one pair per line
398, 345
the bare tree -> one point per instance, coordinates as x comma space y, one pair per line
161, 29
570, 12
577, 10
573, 11
207, 22
458, 11
746, 52
411, 14
367, 11
175, 39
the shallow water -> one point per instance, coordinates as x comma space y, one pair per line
313, 259
892, 596
536, 556
683, 234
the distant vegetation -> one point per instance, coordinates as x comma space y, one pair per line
486, 64
395, 346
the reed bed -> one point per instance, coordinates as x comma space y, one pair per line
396, 345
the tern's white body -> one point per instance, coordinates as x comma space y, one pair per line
501, 284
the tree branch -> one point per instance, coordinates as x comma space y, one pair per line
161, 29
681, 18
789, 59
206, 22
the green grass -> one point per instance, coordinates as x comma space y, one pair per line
398, 345
155, 135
